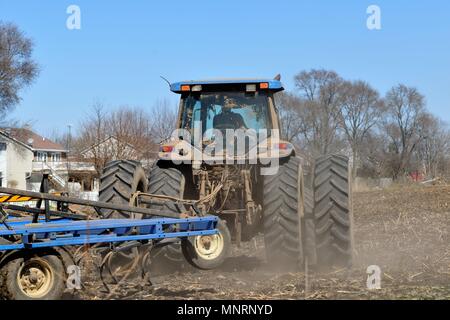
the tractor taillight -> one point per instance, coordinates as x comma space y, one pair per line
185, 88
264, 85
166, 148
282, 146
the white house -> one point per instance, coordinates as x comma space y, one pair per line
47, 155
16, 162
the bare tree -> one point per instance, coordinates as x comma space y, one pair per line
62, 138
403, 125
17, 69
164, 119
373, 161
319, 110
434, 148
131, 126
360, 110
125, 133
288, 106
387, 137
92, 131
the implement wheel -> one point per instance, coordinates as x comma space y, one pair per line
208, 252
39, 276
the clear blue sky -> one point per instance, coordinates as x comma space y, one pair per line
124, 46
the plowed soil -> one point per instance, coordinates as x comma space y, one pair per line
403, 230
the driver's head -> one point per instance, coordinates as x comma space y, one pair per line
228, 104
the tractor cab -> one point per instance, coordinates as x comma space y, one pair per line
227, 104
228, 118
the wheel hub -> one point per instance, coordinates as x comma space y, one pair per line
35, 278
209, 247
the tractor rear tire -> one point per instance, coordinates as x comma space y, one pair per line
332, 211
119, 181
168, 181
282, 207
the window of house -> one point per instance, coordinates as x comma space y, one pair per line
55, 157
42, 156
2, 146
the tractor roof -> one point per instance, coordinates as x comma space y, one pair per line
273, 85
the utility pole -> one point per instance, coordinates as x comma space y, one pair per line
69, 141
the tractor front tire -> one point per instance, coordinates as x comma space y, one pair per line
282, 206
332, 211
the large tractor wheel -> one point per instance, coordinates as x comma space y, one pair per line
332, 211
168, 181
119, 181
34, 276
282, 215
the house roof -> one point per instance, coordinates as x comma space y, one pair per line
33, 140
8, 137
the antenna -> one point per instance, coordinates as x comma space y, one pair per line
168, 82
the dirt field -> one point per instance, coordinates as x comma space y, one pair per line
405, 231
